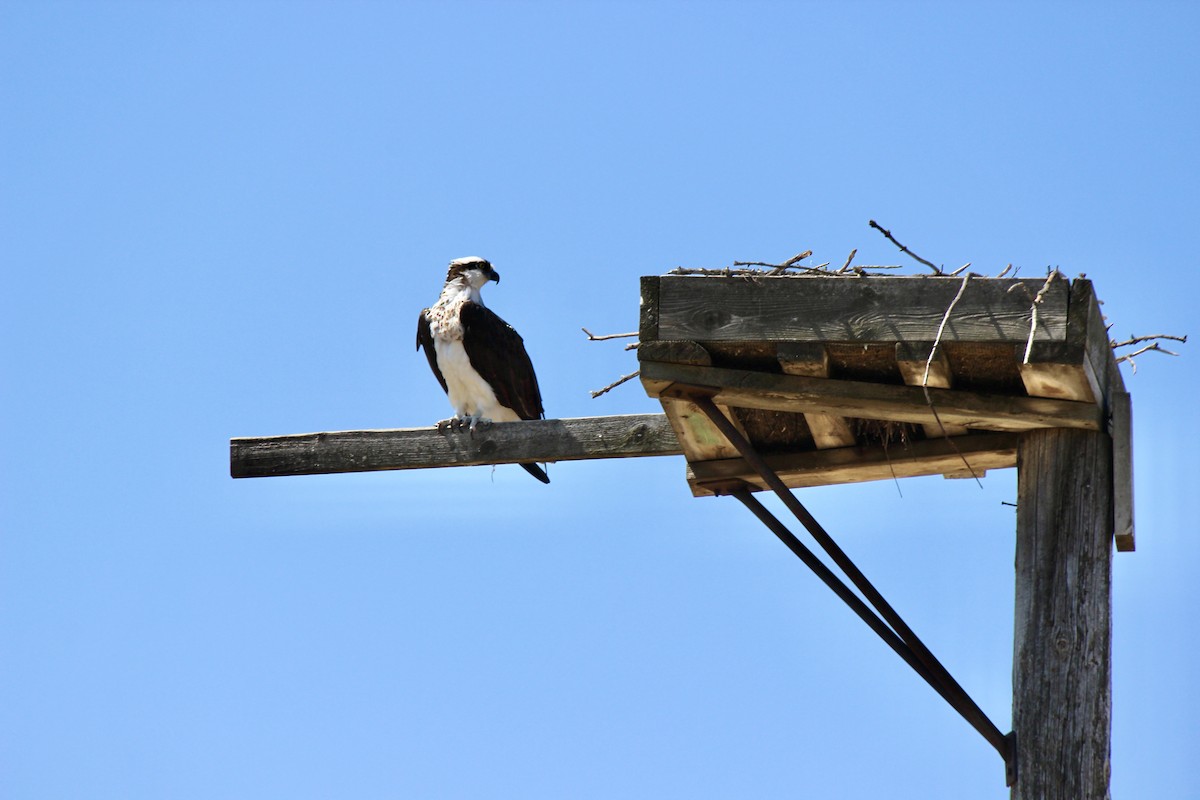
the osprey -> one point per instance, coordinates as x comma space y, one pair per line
478, 358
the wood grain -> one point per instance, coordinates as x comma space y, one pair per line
857, 464
826, 309
811, 360
741, 388
918, 368
697, 436
1122, 436
1062, 656
628, 436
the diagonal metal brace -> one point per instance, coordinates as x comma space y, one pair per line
887, 624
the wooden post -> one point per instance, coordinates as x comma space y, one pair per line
1062, 659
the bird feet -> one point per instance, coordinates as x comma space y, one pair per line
468, 421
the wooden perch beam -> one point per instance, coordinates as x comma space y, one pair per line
418, 448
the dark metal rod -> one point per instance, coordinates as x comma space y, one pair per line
830, 579
953, 692
865, 613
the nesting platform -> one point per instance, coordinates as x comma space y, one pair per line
847, 379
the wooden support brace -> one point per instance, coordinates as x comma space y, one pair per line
696, 434
856, 464
811, 360
1075, 367
1054, 371
749, 389
1122, 436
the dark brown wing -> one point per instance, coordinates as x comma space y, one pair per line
497, 353
425, 339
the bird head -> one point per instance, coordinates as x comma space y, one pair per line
471, 271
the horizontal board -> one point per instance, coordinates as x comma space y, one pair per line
747, 389
544, 440
829, 309
858, 464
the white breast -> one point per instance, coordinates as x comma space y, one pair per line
469, 393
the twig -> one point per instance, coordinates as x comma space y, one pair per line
782, 269
615, 383
1156, 347
937, 342
594, 338
849, 258
744, 271
904, 249
707, 271
1132, 340
892, 469
785, 266
1033, 314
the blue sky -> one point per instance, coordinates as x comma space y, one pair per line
221, 219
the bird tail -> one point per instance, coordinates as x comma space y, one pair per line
537, 472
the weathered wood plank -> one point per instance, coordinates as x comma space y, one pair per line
1102, 364
674, 352
1069, 369
1062, 649
697, 436
829, 430
740, 388
417, 448
1122, 436
648, 316
858, 464
807, 359
828, 309
811, 360
1049, 374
